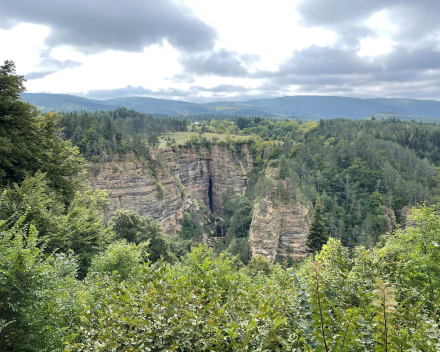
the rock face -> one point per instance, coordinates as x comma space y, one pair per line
209, 178
279, 231
130, 186
206, 176
229, 175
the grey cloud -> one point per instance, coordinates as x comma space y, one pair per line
222, 63
335, 12
48, 62
324, 70
222, 88
193, 93
250, 58
95, 26
319, 89
182, 77
37, 75
415, 19
323, 60
127, 91
334, 66
49, 65
418, 59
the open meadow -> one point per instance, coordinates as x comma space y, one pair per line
182, 137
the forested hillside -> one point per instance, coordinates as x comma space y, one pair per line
70, 282
119, 131
365, 172
302, 107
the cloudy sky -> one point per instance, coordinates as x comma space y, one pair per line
206, 50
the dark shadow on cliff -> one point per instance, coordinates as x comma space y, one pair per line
211, 207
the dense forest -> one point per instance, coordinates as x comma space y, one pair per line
106, 133
69, 283
359, 169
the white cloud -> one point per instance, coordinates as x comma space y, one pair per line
371, 47
264, 28
272, 31
110, 70
22, 44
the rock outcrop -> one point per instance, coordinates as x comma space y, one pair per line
279, 233
206, 177
130, 186
279, 230
229, 175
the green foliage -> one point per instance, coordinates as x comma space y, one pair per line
103, 134
130, 226
207, 302
242, 217
153, 140
29, 142
68, 283
284, 168
122, 258
317, 235
36, 292
195, 307
188, 227
258, 265
384, 307
160, 189
418, 246
365, 171
74, 228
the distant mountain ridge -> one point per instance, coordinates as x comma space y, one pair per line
305, 107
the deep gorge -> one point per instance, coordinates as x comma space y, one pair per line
209, 179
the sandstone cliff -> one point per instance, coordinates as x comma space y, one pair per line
206, 177
279, 227
130, 186
209, 178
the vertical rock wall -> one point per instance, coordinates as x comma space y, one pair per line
130, 185
229, 175
279, 230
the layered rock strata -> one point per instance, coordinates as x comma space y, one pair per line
130, 186
208, 177
279, 230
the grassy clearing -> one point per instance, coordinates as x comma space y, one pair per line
182, 137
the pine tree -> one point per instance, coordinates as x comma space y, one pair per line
30, 142
284, 168
318, 234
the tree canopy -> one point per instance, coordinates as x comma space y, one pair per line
30, 142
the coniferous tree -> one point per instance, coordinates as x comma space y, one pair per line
318, 234
29, 142
284, 168
153, 140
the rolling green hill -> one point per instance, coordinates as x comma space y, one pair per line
303, 107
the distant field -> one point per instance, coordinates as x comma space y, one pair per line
182, 137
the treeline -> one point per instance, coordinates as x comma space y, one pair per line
102, 134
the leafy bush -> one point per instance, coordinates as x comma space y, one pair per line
121, 258
160, 189
130, 226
